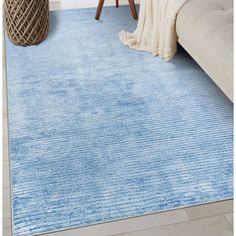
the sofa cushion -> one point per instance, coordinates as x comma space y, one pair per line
205, 30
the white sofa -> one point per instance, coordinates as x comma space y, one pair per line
205, 30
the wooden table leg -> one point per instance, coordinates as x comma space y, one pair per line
133, 9
117, 3
99, 9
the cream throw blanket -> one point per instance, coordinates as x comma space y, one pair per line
155, 32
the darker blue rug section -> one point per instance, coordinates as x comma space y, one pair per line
100, 132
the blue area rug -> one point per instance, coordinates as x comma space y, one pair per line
100, 132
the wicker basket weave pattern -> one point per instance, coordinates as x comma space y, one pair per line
26, 21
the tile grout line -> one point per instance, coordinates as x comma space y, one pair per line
228, 220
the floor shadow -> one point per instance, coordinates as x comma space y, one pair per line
53, 22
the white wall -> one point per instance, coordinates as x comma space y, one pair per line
88, 3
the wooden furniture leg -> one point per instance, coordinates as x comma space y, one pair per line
131, 4
133, 9
99, 9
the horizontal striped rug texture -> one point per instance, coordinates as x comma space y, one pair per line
100, 132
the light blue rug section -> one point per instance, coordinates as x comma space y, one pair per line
100, 132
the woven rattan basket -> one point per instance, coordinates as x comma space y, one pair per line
26, 21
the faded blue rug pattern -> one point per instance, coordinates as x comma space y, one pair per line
100, 132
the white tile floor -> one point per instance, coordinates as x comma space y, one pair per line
215, 219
